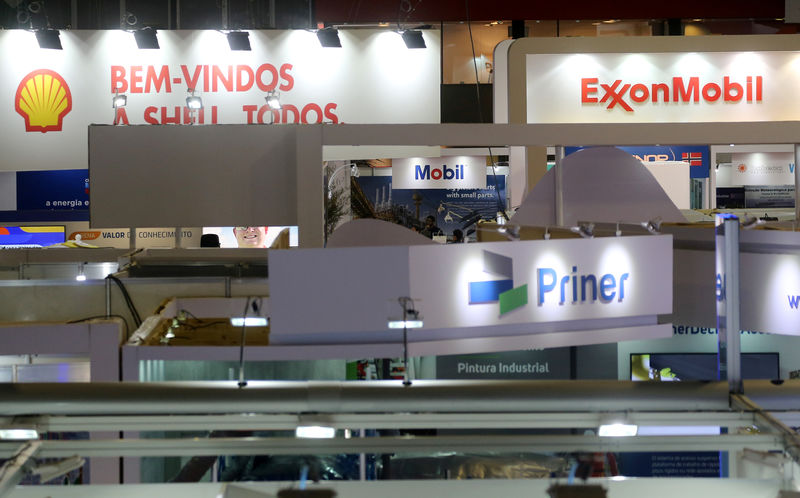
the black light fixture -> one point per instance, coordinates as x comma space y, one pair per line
48, 38
413, 39
239, 40
146, 38
329, 37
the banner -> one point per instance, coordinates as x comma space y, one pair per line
51, 96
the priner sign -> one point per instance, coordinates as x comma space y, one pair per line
662, 87
452, 172
489, 296
49, 97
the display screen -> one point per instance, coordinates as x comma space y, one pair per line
671, 367
250, 237
23, 237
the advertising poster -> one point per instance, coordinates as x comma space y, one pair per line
452, 209
57, 195
698, 156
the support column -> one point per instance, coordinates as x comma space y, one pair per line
727, 295
310, 186
796, 184
559, 186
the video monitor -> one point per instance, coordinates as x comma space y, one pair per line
30, 236
674, 367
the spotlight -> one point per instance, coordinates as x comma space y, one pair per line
617, 430
48, 38
315, 432
329, 37
748, 222
273, 99
194, 102
652, 226
118, 101
511, 231
413, 39
81, 276
250, 321
585, 230
239, 40
146, 38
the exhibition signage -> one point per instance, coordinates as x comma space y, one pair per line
452, 172
762, 168
542, 281
662, 87
697, 156
584, 291
53, 95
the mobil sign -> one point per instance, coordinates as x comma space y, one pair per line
452, 172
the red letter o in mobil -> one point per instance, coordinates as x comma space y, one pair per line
436, 174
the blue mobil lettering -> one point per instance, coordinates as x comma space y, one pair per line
607, 287
426, 173
794, 302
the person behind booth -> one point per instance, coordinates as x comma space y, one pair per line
209, 240
430, 229
250, 236
458, 237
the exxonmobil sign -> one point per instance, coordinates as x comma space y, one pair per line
662, 87
628, 94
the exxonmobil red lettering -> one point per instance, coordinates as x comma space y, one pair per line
680, 89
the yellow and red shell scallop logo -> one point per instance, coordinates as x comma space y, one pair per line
43, 99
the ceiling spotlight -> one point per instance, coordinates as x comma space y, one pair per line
48, 38
118, 101
274, 100
239, 40
81, 276
585, 230
413, 39
329, 37
511, 231
652, 226
193, 102
146, 38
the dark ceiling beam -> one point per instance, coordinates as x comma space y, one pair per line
373, 11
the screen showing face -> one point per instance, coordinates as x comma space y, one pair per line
673, 367
245, 237
31, 236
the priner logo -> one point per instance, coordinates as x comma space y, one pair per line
680, 89
503, 290
551, 287
43, 99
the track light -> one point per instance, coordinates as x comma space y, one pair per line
329, 37
413, 39
194, 102
511, 231
273, 99
748, 222
48, 38
119, 100
652, 226
146, 38
239, 40
585, 230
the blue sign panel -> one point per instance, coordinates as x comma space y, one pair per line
53, 190
698, 156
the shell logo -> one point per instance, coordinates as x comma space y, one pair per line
43, 99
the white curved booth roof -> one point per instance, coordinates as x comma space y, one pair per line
601, 184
